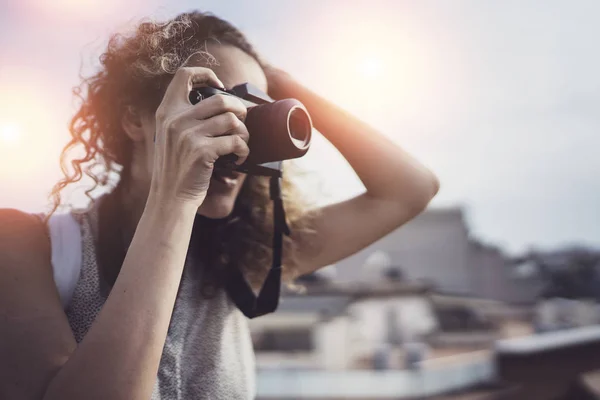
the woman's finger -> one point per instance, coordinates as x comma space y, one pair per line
185, 79
215, 105
210, 149
225, 124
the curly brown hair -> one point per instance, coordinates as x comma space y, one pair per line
135, 70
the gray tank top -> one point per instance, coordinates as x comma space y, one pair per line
208, 351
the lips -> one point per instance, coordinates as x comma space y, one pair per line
226, 177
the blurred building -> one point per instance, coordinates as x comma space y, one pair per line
428, 282
558, 313
494, 276
572, 294
436, 248
344, 326
370, 340
426, 296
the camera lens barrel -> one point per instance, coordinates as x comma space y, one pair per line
278, 131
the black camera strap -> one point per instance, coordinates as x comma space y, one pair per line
237, 286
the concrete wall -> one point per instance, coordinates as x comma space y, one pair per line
493, 277
372, 318
335, 343
434, 247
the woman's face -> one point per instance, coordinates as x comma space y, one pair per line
233, 67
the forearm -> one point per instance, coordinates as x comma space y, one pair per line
385, 169
119, 356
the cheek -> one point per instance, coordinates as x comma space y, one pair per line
150, 155
149, 127
241, 182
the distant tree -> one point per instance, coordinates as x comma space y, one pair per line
579, 278
393, 274
571, 274
311, 279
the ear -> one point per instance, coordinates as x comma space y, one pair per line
131, 122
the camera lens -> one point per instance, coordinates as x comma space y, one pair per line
278, 131
299, 127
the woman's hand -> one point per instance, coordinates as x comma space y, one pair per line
190, 138
397, 186
277, 80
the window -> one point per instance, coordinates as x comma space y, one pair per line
288, 340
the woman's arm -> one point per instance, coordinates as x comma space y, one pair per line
119, 357
397, 186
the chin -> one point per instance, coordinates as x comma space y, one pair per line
216, 207
222, 193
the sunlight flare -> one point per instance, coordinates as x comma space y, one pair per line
9, 133
371, 68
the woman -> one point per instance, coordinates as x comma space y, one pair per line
139, 324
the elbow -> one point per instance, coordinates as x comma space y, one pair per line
422, 194
434, 186
409, 198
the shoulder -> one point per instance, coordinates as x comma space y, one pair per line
35, 337
23, 239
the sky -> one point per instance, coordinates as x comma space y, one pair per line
500, 99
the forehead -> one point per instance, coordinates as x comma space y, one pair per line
233, 66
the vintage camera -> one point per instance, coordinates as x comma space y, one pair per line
279, 130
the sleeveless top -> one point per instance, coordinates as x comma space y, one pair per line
208, 350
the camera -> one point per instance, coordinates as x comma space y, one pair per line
279, 130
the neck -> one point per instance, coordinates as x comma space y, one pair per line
131, 196
119, 216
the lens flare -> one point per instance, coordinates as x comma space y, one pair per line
32, 131
9, 133
371, 68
